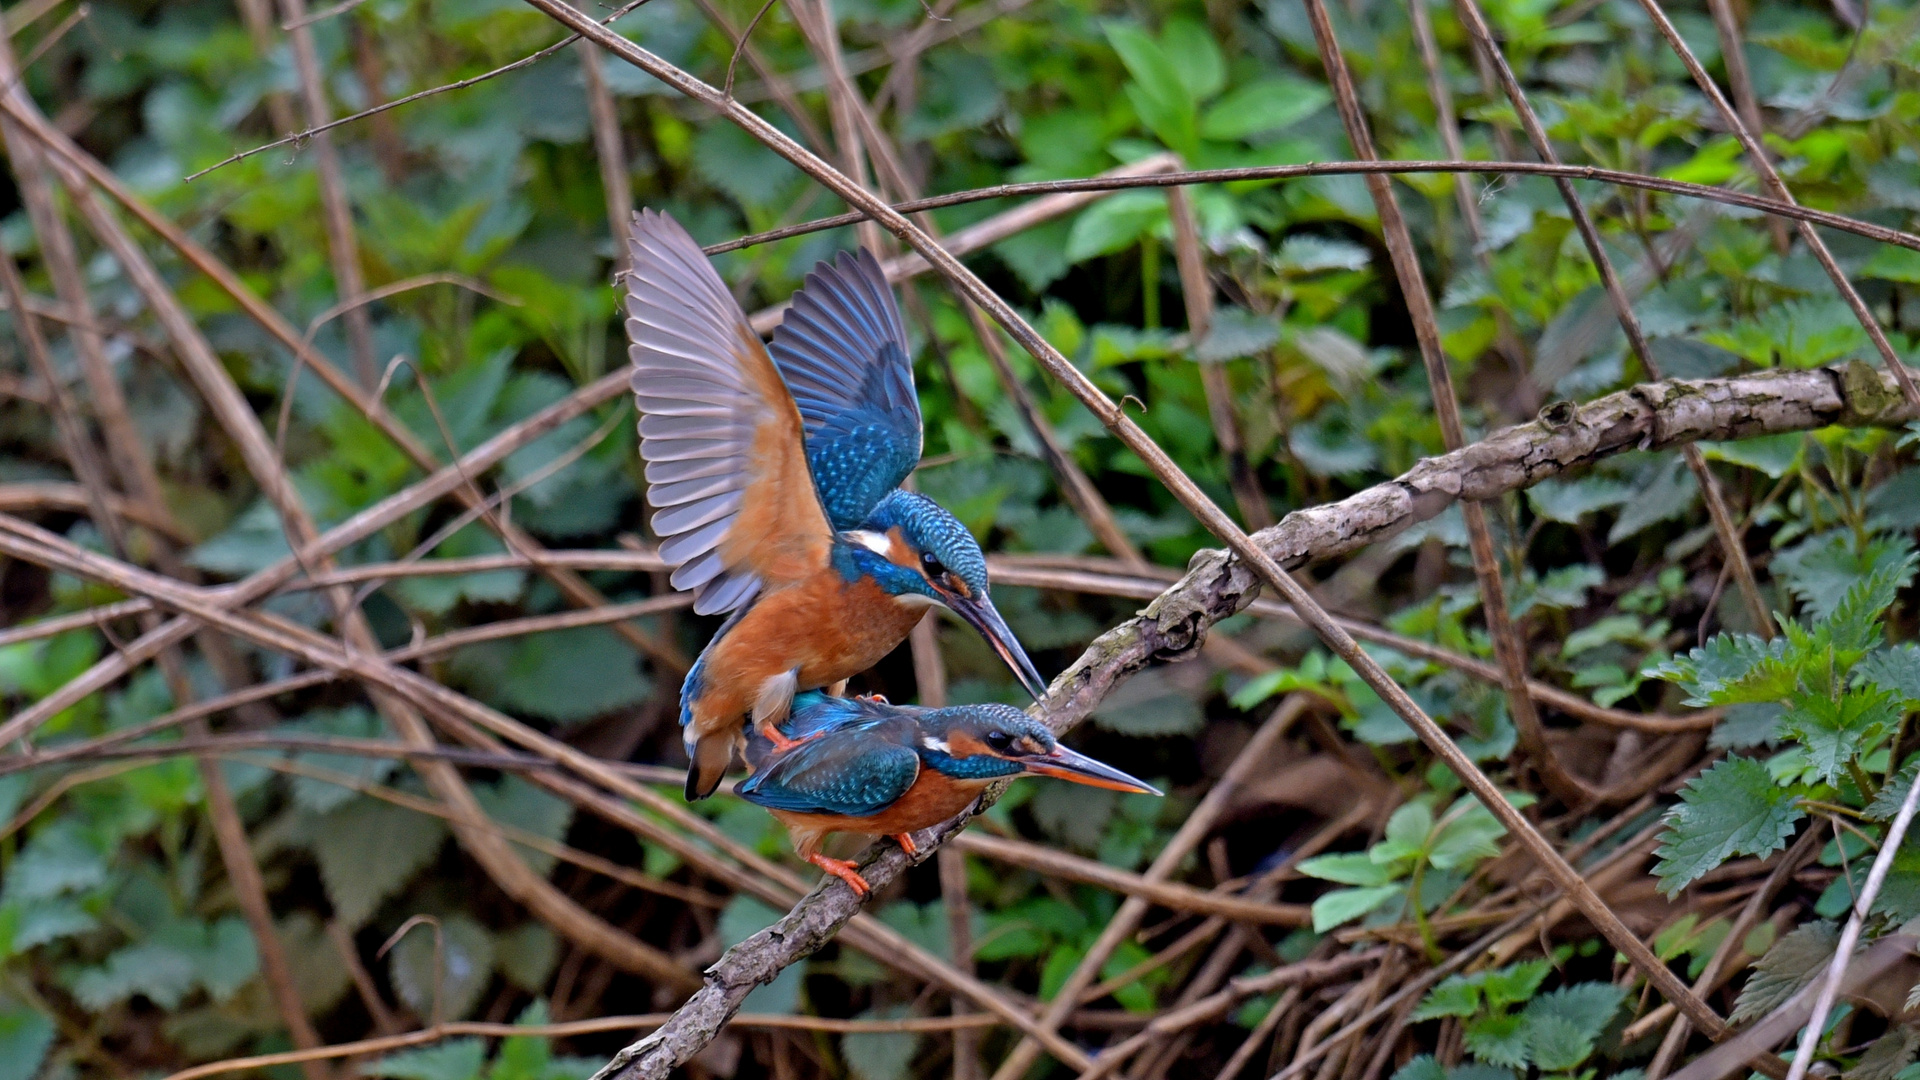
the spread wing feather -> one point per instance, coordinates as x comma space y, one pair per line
843, 351
734, 502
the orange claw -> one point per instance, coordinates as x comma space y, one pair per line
782, 744
845, 871
905, 840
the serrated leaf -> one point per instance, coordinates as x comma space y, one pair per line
1727, 661
1886, 804
318, 973
368, 850
1896, 670
880, 1055
1793, 962
25, 1038
60, 858
1150, 705
1733, 808
1455, 996
160, 973
518, 803
1423, 1067
1466, 837
466, 953
322, 796
1889, 1054
1567, 501
1824, 571
527, 955
1556, 1044
1345, 905
1115, 223
1670, 493
1514, 983
1498, 1040
1834, 732
562, 675
1588, 1007
455, 1059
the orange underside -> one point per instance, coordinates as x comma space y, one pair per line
831, 630
932, 799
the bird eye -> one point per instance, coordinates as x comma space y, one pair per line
932, 564
999, 741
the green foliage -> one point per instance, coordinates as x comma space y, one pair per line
1509, 1025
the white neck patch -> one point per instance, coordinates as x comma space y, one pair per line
938, 746
878, 543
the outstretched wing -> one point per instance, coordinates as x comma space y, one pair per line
844, 353
734, 502
846, 771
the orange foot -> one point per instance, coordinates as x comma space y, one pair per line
845, 871
782, 744
905, 840
877, 699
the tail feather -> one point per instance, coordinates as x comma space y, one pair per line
711, 756
775, 700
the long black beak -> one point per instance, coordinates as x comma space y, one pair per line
979, 613
1081, 769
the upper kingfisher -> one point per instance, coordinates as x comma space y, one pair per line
862, 765
775, 482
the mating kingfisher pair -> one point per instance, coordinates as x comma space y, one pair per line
774, 473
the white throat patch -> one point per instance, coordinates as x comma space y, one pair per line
878, 543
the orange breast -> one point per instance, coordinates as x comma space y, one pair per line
932, 799
829, 629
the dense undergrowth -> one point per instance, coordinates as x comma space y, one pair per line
125, 953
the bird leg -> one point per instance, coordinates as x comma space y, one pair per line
773, 704
877, 699
905, 840
845, 870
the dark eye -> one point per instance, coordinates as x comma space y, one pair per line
1000, 741
932, 564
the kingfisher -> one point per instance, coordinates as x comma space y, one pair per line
775, 480
862, 765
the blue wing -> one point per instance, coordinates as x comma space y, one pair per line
843, 352
851, 770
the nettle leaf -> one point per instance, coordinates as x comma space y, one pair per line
1514, 983
1886, 804
1728, 666
880, 1055
1585, 1007
466, 955
1567, 501
1556, 1044
455, 1059
60, 858
25, 1038
1896, 670
1793, 962
562, 675
520, 804
368, 850
1499, 1040
1457, 995
1731, 809
1833, 732
1889, 1054
1825, 571
1854, 623
322, 796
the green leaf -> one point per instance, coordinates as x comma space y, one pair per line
1351, 868
1835, 732
1731, 809
61, 858
1886, 804
466, 966
1265, 104
1345, 905
368, 850
1831, 570
1774, 455
526, 955
1150, 705
1115, 223
1455, 996
1586, 1007
1195, 58
25, 1038
1498, 1040
455, 1059
1896, 670
880, 1055
1889, 1054
1514, 983
1730, 669
1556, 1044
1407, 833
1158, 93
562, 675
1567, 501
518, 803
1792, 963
1893, 264
1467, 835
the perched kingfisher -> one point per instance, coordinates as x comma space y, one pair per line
862, 765
775, 482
